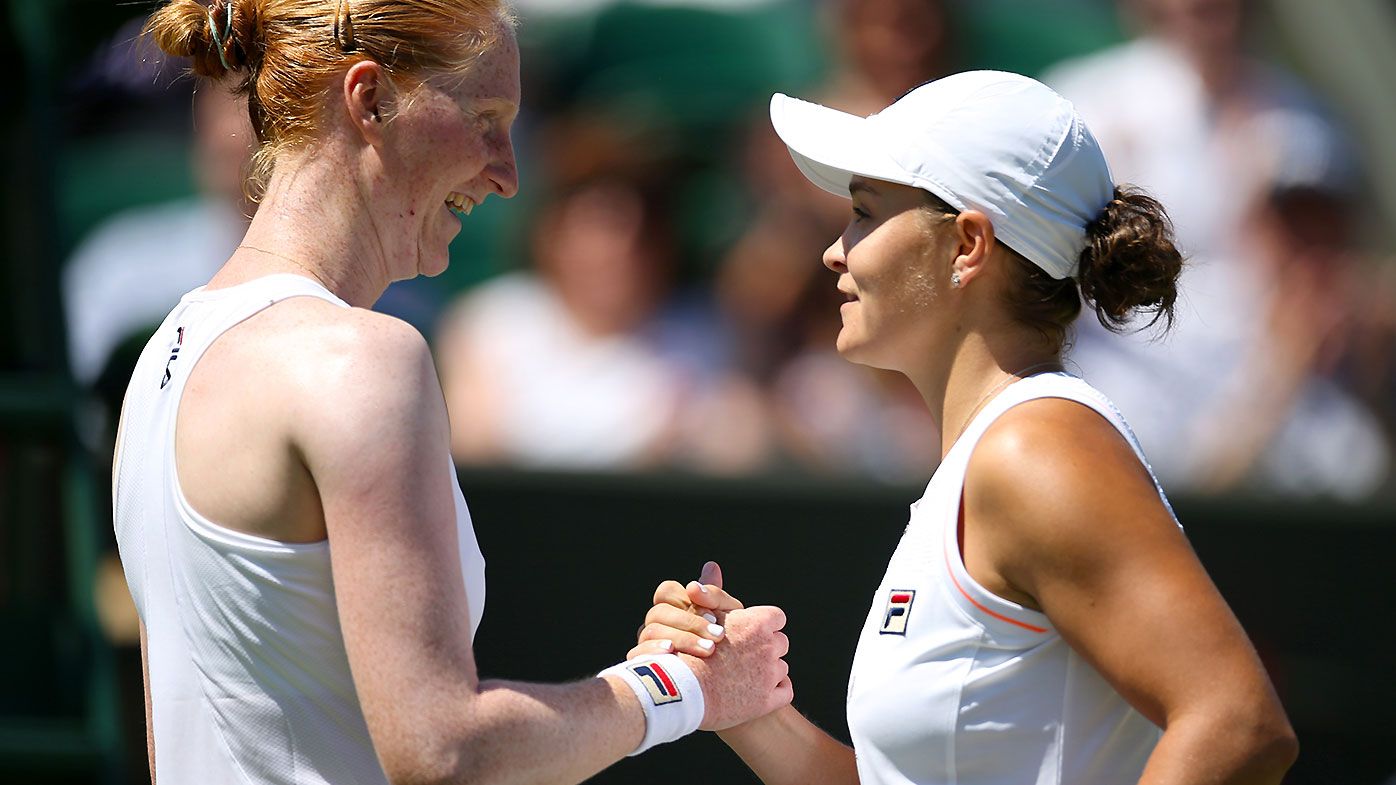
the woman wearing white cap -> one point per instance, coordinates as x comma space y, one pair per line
1043, 619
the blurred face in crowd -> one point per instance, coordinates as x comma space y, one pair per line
600, 249
891, 260
1202, 27
223, 143
896, 44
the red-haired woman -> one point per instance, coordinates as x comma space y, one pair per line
287, 513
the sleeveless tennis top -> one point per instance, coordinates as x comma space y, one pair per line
953, 685
249, 680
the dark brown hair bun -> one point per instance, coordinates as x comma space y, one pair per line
1131, 263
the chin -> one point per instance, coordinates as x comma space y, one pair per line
860, 353
430, 268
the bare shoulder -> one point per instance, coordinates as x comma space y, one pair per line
1055, 476
335, 367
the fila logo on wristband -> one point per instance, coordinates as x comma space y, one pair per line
898, 611
661, 688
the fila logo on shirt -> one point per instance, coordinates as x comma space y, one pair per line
661, 688
898, 611
174, 355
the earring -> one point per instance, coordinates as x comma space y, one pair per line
955, 280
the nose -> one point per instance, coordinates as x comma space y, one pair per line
504, 172
834, 257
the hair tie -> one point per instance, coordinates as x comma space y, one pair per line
220, 41
346, 42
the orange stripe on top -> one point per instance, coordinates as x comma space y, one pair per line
951, 571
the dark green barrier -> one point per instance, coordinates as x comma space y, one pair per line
573, 560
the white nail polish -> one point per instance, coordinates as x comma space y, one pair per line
704, 643
666, 645
715, 629
711, 618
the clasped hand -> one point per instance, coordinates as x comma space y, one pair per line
739, 649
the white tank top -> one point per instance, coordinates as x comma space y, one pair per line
249, 680
953, 685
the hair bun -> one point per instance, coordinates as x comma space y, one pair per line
1131, 262
216, 38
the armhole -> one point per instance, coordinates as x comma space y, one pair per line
1005, 618
191, 519
992, 610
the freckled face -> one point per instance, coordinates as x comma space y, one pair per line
886, 261
457, 149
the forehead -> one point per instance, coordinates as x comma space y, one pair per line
867, 187
494, 76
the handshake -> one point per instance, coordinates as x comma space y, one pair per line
734, 652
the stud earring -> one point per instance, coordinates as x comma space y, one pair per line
955, 280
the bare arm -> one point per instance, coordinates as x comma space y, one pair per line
1085, 537
375, 438
784, 748
149, 724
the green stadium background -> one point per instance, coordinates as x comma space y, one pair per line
572, 558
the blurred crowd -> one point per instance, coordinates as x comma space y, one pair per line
654, 299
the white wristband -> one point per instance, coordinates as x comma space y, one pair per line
669, 694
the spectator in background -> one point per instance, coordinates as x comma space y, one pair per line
1239, 151
583, 362
1283, 417
125, 276
887, 48
780, 304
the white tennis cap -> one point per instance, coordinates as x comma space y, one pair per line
996, 142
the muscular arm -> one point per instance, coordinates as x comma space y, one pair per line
1059, 511
372, 429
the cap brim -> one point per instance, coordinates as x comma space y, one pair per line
830, 146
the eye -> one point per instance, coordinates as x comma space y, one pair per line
859, 213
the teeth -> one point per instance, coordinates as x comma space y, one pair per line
460, 202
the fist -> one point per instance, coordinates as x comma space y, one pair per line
745, 677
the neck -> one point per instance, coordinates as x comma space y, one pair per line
971, 372
317, 223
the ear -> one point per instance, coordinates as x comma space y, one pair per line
974, 233
366, 94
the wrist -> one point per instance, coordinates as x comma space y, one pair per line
752, 732
668, 693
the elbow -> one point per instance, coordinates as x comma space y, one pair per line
426, 763
1263, 746
1276, 748
462, 763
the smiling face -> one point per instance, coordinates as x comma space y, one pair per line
453, 149
892, 260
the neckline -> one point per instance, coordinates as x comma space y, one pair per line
988, 406
205, 294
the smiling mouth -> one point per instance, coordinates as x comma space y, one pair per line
459, 203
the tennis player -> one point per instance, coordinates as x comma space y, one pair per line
1043, 619
287, 513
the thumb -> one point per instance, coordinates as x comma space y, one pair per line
711, 574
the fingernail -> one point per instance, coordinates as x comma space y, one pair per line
715, 629
705, 644
666, 645
702, 588
711, 618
